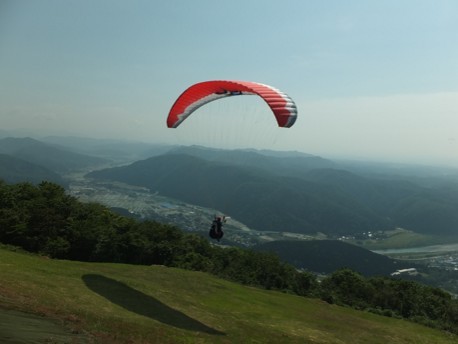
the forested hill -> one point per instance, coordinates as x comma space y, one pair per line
13, 170
292, 164
259, 199
326, 256
266, 193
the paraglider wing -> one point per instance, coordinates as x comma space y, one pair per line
199, 94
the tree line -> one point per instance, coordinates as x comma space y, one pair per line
44, 219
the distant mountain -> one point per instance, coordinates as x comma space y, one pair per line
326, 256
381, 195
294, 194
433, 210
51, 157
429, 210
282, 154
421, 174
292, 164
13, 170
261, 200
116, 150
4, 133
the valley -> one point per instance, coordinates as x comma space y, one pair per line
269, 197
142, 203
436, 257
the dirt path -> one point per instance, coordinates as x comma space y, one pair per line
23, 328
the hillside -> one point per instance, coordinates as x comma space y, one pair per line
326, 256
118, 303
429, 210
13, 170
297, 194
51, 157
292, 164
259, 199
115, 150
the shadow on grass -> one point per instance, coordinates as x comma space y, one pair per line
142, 304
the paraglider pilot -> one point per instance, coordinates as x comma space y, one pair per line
216, 230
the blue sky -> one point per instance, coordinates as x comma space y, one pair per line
371, 79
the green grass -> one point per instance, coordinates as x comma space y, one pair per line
117, 303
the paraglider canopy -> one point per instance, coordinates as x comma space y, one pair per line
283, 107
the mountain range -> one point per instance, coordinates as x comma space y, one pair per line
14, 170
31, 160
298, 193
266, 190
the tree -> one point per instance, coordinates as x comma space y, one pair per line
347, 287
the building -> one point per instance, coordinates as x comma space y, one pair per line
410, 272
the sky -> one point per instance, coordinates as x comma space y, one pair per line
372, 80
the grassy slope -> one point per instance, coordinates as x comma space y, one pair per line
119, 303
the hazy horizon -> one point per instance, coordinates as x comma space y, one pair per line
372, 80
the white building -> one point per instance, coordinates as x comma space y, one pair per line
410, 272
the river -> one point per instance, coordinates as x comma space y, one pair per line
422, 249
